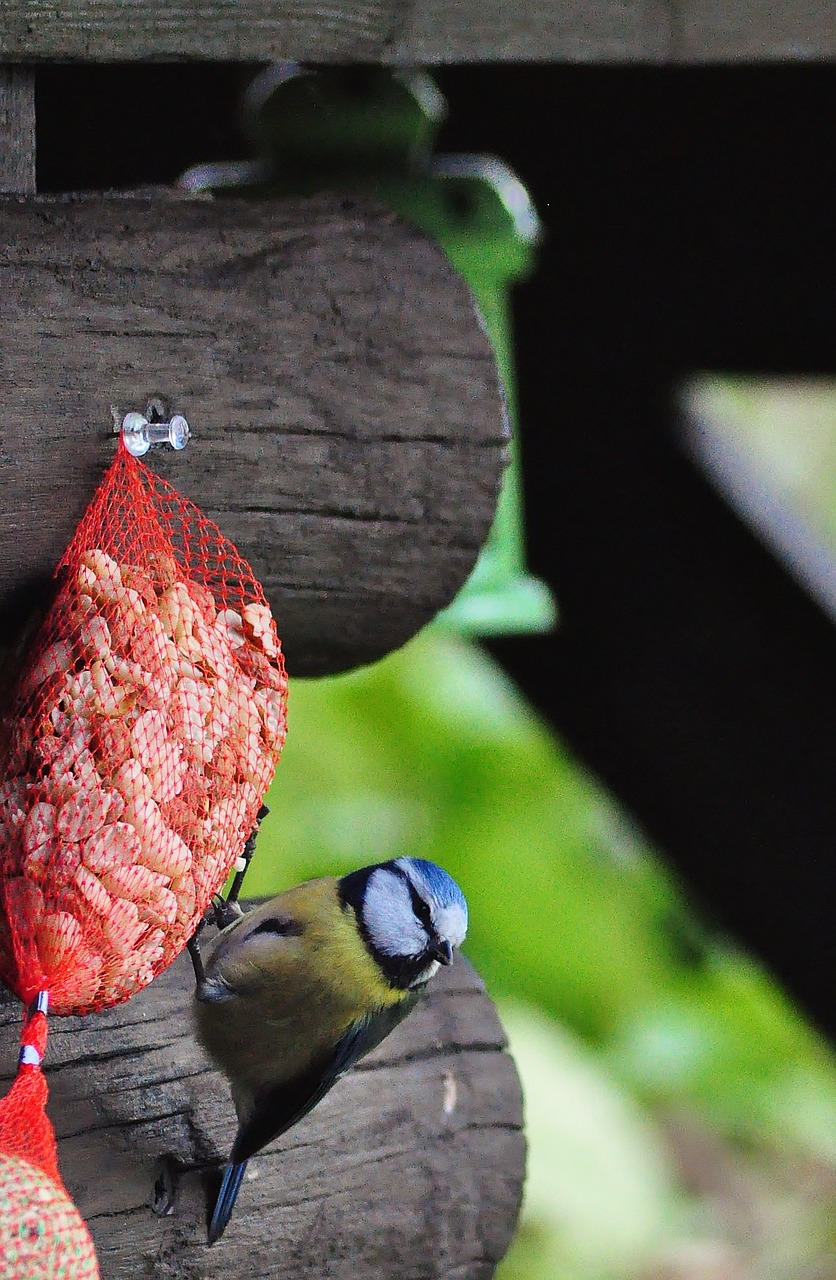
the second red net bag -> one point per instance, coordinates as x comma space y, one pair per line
138, 737
42, 1233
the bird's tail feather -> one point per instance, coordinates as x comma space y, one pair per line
225, 1203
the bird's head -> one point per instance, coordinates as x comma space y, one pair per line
411, 914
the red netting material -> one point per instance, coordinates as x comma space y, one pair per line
41, 1231
137, 741
25, 1128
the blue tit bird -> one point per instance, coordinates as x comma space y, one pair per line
290, 995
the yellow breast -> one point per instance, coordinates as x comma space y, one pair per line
293, 996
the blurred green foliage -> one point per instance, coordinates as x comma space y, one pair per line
622, 1012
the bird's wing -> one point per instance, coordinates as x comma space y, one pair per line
274, 1111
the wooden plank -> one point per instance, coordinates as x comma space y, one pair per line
17, 130
246, 31
347, 421
753, 30
435, 31
417, 31
412, 1166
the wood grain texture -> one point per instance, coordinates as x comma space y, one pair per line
752, 30
246, 30
347, 420
17, 130
435, 31
411, 1167
417, 31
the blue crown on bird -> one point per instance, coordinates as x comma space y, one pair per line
411, 915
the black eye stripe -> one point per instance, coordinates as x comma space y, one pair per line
282, 926
419, 906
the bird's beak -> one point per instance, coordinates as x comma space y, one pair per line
442, 951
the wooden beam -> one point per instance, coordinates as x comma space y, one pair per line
417, 31
17, 130
347, 420
412, 1166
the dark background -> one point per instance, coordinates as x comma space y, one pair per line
689, 222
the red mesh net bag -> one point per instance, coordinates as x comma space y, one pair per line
42, 1234
138, 737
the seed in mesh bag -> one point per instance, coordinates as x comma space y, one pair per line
59, 751
99, 574
190, 704
76, 988
167, 770
55, 660
15, 799
83, 814
176, 611
143, 812
151, 647
184, 812
117, 844
121, 924
108, 698
125, 613
215, 651
148, 731
251, 796
144, 689
23, 904
258, 665
24, 901
204, 600
126, 971
101, 577
15, 745
217, 723
211, 870
226, 818
92, 636
162, 569
92, 890
256, 766
152, 947
260, 629
123, 623
140, 581
223, 766
160, 910
136, 882
58, 935
164, 851
183, 888
132, 782
230, 627
37, 838
110, 743
244, 721
271, 709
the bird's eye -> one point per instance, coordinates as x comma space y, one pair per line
421, 909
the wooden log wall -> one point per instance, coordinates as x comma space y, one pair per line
411, 1167
348, 424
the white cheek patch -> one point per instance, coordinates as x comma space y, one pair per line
389, 918
450, 923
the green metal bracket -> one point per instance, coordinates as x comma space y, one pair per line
373, 129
